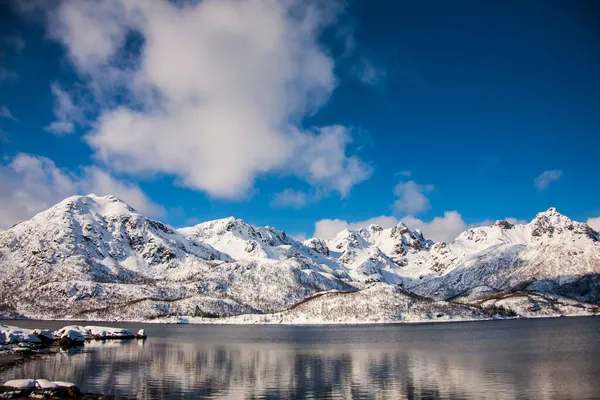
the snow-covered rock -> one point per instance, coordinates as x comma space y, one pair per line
46, 384
14, 335
63, 384
20, 383
71, 337
44, 335
96, 332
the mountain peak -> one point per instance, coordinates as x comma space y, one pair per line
83, 205
551, 211
552, 216
503, 224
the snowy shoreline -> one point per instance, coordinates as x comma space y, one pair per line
234, 321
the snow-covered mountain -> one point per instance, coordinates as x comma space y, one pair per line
552, 254
95, 257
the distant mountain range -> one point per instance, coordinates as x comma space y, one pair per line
92, 257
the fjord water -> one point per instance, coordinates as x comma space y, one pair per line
528, 359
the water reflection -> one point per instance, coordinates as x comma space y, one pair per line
516, 359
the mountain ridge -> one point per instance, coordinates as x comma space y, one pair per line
97, 257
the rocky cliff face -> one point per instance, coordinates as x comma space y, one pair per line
97, 258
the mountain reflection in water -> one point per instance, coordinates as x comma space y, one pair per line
545, 359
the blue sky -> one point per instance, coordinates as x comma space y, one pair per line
303, 116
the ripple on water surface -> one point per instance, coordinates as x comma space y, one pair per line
544, 359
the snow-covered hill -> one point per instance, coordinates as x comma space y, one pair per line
95, 257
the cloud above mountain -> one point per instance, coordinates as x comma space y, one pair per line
216, 91
594, 223
31, 184
543, 181
444, 228
411, 197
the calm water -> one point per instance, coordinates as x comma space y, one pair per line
520, 359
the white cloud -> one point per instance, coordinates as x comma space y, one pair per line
219, 89
546, 178
31, 184
328, 228
321, 160
300, 236
65, 111
411, 197
5, 113
594, 223
290, 198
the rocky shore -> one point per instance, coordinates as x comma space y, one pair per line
45, 389
18, 345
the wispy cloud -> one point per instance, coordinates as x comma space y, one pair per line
543, 181
370, 73
5, 113
10, 43
290, 198
15, 41
67, 113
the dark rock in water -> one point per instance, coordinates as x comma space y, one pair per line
66, 342
71, 338
45, 336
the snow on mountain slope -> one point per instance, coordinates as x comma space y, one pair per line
92, 257
376, 303
377, 254
550, 254
100, 238
245, 242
